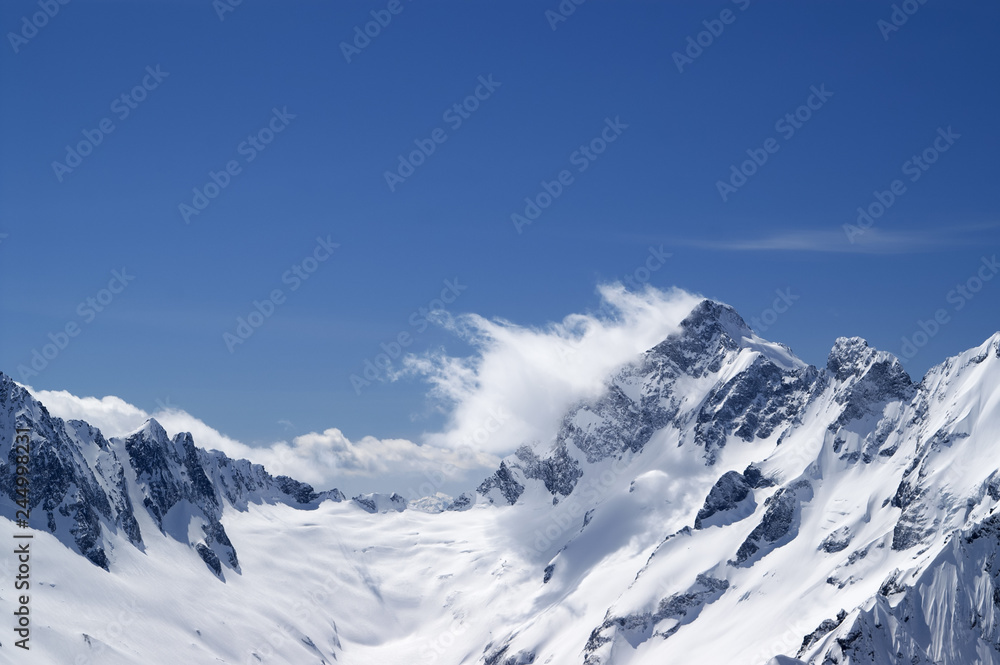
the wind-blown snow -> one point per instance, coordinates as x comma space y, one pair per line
844, 515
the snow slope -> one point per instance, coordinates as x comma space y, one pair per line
721, 502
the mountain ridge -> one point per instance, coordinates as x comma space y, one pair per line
79, 481
721, 501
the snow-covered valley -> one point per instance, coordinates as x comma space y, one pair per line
720, 502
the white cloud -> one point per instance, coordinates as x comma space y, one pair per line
873, 240
514, 390
324, 459
528, 377
112, 415
317, 452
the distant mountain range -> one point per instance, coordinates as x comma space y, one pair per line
720, 502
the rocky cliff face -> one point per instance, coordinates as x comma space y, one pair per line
85, 488
721, 501
714, 379
859, 479
77, 487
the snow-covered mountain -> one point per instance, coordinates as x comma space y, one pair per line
720, 502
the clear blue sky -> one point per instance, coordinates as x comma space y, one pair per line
324, 176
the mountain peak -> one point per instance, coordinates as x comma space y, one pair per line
853, 356
991, 346
9, 386
856, 482
711, 331
711, 317
151, 429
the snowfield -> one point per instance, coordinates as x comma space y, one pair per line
720, 503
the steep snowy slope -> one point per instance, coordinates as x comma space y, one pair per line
721, 502
82, 492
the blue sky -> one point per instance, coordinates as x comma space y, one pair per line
333, 129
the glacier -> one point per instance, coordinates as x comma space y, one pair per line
720, 502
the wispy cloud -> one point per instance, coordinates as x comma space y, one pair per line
528, 377
870, 241
325, 459
514, 388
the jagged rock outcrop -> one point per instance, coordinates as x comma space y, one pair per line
641, 399
778, 525
671, 613
504, 482
947, 614
822, 629
85, 488
242, 482
77, 488
464, 501
720, 501
727, 497
837, 541
380, 503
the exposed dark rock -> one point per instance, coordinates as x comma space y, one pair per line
837, 541
778, 524
61, 479
753, 404
210, 558
504, 481
726, 495
559, 472
464, 501
824, 628
637, 628
380, 503
872, 378
80, 492
641, 400
497, 657
755, 478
